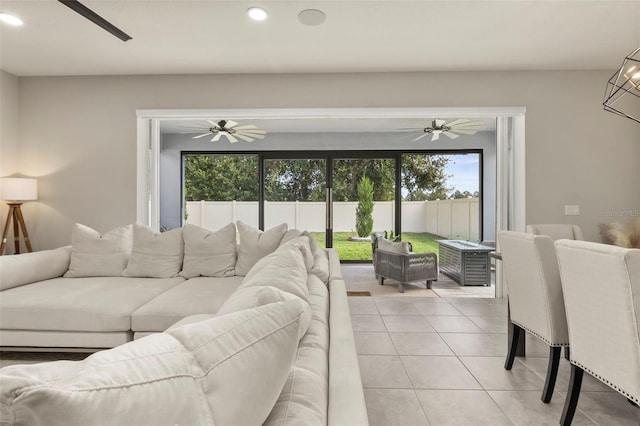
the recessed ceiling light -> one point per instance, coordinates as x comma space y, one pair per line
10, 19
257, 13
312, 17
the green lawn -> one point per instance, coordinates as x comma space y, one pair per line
355, 250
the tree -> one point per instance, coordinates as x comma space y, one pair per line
466, 194
423, 177
221, 177
364, 211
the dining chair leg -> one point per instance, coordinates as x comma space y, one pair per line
513, 347
567, 353
552, 373
573, 393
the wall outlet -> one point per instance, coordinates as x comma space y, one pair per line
571, 210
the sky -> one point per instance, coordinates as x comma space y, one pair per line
464, 171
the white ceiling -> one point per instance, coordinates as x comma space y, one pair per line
208, 36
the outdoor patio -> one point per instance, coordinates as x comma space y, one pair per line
360, 277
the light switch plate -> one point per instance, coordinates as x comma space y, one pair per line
571, 210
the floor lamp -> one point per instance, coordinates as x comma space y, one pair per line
15, 191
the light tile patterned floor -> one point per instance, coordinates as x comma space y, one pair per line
440, 361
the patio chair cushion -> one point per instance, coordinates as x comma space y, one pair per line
99, 255
208, 253
400, 247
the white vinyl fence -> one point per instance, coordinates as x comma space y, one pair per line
455, 219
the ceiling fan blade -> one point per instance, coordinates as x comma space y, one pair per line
230, 123
420, 137
254, 131
435, 137
245, 126
231, 138
202, 135
457, 122
463, 127
243, 137
84, 11
451, 135
479, 124
216, 138
213, 123
250, 135
439, 123
465, 131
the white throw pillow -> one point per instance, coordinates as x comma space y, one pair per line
321, 266
313, 243
256, 244
99, 255
284, 270
290, 235
301, 243
155, 255
208, 253
252, 297
228, 370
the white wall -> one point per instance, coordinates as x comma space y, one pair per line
78, 134
9, 137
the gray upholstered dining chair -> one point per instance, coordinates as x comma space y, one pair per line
601, 286
535, 297
556, 231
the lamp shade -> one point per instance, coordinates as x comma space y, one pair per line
19, 189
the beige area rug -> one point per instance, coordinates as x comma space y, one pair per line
360, 277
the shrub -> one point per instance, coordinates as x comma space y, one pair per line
364, 212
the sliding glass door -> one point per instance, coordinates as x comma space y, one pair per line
340, 198
363, 203
295, 192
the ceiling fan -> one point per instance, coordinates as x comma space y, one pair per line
231, 130
452, 129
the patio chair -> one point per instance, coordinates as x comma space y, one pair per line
395, 260
601, 286
535, 297
556, 231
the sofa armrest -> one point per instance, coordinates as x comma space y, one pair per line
26, 268
346, 396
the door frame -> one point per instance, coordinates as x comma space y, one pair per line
510, 152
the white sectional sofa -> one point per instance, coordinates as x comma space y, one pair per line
180, 292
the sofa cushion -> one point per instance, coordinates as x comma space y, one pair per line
303, 400
284, 270
99, 255
28, 268
227, 370
290, 235
201, 295
155, 255
313, 243
301, 243
321, 266
208, 253
252, 297
256, 244
79, 304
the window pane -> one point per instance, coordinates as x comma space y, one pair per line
219, 189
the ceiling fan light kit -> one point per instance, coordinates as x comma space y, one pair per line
623, 88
